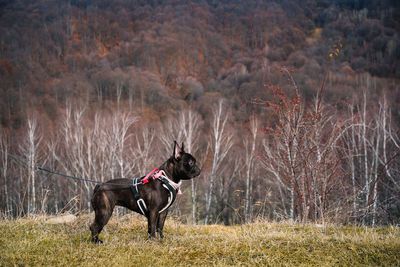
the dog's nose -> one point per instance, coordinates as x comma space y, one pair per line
197, 172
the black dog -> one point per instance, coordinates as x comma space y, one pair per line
151, 195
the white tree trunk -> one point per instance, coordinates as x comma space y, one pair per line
250, 147
222, 142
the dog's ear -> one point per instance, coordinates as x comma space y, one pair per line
177, 151
182, 148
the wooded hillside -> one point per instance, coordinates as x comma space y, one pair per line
291, 108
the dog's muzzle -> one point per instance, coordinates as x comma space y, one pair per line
196, 172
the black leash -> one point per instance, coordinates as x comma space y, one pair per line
76, 178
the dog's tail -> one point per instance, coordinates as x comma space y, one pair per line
96, 188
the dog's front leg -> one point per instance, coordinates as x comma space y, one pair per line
152, 222
160, 222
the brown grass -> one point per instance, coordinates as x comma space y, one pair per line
32, 242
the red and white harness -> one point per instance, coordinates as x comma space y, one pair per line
171, 186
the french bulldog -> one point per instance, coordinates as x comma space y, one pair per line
150, 196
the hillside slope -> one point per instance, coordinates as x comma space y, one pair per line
148, 52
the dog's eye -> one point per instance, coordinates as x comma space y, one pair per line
191, 163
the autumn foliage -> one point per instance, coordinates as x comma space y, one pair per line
285, 125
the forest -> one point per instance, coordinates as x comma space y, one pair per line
291, 108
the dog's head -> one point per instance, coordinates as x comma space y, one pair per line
183, 164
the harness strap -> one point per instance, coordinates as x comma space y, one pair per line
139, 200
171, 186
172, 192
151, 174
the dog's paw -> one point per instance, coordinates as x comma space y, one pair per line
97, 241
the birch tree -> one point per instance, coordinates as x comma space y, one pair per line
143, 150
221, 140
190, 122
30, 153
250, 149
121, 124
370, 149
4, 165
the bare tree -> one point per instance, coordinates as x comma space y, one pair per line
250, 150
351, 150
121, 123
143, 149
71, 155
366, 144
98, 149
191, 132
390, 139
30, 153
172, 130
221, 140
301, 153
4, 165
282, 143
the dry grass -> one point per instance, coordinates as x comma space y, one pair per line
33, 242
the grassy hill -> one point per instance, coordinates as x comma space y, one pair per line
34, 242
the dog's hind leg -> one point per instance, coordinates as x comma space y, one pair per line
161, 221
103, 209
